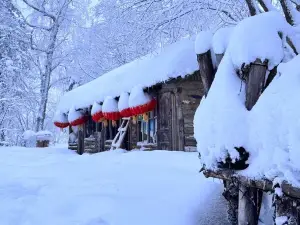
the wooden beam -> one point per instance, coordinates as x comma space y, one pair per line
80, 145
247, 214
255, 82
265, 185
206, 70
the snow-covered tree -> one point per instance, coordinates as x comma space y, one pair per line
14, 69
50, 23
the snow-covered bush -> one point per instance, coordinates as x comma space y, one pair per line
29, 138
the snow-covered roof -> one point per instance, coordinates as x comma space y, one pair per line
178, 59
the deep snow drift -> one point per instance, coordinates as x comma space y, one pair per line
56, 186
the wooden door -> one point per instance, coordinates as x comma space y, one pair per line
167, 125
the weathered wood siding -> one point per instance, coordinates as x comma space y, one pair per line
133, 135
170, 121
190, 96
177, 103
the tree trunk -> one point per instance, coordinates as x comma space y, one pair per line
45, 79
206, 70
286, 7
252, 7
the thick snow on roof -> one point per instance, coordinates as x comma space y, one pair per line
178, 59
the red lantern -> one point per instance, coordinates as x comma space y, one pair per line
76, 118
61, 120
97, 114
141, 102
147, 107
123, 105
61, 125
110, 110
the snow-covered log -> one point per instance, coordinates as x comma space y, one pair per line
202, 48
255, 82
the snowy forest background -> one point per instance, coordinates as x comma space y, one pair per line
48, 47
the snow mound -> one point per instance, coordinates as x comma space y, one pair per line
275, 148
270, 132
28, 134
29, 138
221, 39
219, 122
258, 37
203, 42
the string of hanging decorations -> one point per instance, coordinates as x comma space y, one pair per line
77, 117
61, 120
110, 110
132, 105
141, 103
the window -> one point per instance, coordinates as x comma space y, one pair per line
148, 129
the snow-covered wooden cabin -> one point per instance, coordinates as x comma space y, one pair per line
170, 76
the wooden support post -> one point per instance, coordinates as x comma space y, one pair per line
247, 206
80, 145
231, 195
287, 207
206, 70
255, 82
219, 58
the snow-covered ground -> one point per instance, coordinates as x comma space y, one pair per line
55, 186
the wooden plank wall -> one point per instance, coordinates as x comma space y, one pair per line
191, 92
178, 101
